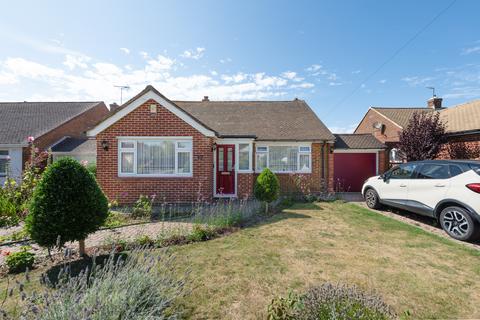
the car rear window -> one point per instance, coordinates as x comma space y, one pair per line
476, 168
455, 170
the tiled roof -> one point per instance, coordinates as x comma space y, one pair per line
462, 117
401, 116
19, 120
265, 120
357, 141
76, 145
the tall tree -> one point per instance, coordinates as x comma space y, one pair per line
423, 137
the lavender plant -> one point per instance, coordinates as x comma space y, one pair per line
330, 302
142, 285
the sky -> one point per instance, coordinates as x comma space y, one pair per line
342, 57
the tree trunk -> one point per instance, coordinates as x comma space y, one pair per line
266, 207
81, 247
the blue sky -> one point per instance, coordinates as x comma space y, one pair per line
320, 51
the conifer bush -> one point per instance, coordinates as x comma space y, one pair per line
67, 205
267, 187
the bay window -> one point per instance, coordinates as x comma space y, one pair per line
155, 157
284, 158
4, 159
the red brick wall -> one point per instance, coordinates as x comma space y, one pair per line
470, 140
391, 132
75, 127
383, 161
141, 122
245, 185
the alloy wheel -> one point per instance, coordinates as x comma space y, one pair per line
455, 223
371, 199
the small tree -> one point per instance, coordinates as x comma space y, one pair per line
67, 205
267, 187
423, 137
463, 150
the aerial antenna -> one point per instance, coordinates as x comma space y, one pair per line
121, 92
433, 91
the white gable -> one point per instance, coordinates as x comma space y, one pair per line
141, 100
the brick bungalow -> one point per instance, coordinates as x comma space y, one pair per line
48, 122
187, 151
386, 123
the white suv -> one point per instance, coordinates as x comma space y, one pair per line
448, 190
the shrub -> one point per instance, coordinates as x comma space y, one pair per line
463, 150
20, 261
144, 240
115, 219
92, 167
201, 233
67, 205
267, 187
328, 301
8, 212
142, 207
141, 285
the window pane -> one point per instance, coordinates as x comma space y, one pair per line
403, 172
129, 145
127, 162
433, 171
220, 159
154, 157
455, 170
3, 152
283, 158
396, 156
261, 162
304, 149
184, 162
244, 157
184, 145
262, 149
304, 162
229, 159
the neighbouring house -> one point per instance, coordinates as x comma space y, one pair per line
357, 157
386, 123
51, 124
188, 151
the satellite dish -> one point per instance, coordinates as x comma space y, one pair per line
378, 125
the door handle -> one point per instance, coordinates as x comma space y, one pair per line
439, 185
403, 185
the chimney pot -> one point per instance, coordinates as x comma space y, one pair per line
205, 98
434, 103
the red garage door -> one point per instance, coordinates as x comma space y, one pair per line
352, 169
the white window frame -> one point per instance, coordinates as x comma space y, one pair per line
249, 169
5, 157
133, 150
289, 145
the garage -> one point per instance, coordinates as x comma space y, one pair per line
356, 158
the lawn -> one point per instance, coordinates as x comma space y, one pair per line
236, 276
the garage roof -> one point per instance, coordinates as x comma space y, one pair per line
357, 141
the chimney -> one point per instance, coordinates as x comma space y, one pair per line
434, 103
205, 98
113, 107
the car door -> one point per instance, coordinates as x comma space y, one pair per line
394, 190
429, 187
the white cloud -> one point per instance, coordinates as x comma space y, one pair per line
143, 54
125, 50
416, 81
223, 61
79, 78
475, 49
356, 71
334, 84
383, 81
195, 54
314, 67
343, 129
73, 61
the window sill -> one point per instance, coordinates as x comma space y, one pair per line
155, 176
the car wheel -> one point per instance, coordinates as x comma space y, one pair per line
371, 199
458, 223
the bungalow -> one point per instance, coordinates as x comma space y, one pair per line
187, 151
49, 123
386, 123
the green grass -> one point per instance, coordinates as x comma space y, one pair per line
235, 277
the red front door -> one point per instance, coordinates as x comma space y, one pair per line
225, 169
